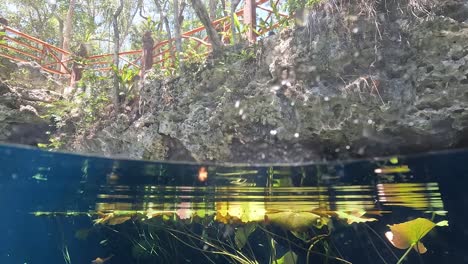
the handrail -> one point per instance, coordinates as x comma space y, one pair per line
49, 57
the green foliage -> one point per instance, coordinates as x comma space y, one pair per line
54, 143
294, 5
127, 77
79, 114
2, 41
58, 110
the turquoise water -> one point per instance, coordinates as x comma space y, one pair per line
67, 208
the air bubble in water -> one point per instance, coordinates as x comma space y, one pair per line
275, 88
370, 122
296, 135
273, 132
326, 98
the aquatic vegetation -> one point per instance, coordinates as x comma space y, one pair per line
239, 239
295, 221
288, 258
408, 235
355, 216
101, 260
392, 169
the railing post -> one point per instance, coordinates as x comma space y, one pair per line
250, 19
78, 65
147, 54
3, 25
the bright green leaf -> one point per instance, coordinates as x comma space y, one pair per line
288, 258
409, 234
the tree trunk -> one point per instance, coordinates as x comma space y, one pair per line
223, 6
67, 31
202, 14
116, 82
212, 6
178, 39
165, 21
234, 4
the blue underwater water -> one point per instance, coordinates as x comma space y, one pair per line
50, 202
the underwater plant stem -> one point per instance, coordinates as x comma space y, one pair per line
406, 253
318, 239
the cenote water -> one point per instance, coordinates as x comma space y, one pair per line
67, 208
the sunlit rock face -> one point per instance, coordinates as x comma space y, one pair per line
361, 79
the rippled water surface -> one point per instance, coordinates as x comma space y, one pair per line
62, 208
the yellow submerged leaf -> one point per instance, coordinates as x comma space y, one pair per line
288, 258
294, 221
111, 219
103, 218
354, 216
118, 220
409, 234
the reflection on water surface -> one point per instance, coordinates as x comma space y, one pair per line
142, 212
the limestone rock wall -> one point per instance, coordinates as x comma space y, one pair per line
355, 80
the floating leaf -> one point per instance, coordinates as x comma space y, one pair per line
409, 234
288, 258
242, 234
295, 221
354, 216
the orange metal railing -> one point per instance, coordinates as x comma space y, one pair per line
24, 48
27, 48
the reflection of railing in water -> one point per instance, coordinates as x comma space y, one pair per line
247, 204
320, 205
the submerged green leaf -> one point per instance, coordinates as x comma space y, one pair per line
288, 258
242, 234
355, 216
409, 234
295, 221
